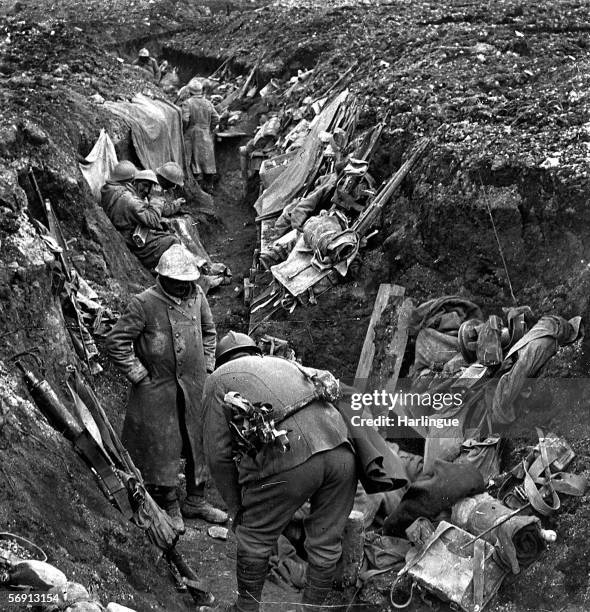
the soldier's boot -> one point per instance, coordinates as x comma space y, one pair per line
318, 584
251, 574
196, 506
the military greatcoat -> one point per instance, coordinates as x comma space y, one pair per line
164, 346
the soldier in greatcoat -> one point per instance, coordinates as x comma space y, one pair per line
200, 118
165, 345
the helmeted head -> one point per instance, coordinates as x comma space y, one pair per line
179, 263
233, 344
143, 53
195, 87
123, 172
144, 181
169, 175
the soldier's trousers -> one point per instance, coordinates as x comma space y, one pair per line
328, 479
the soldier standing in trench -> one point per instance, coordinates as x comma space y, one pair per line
200, 118
147, 63
165, 344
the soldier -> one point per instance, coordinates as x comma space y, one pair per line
126, 203
200, 118
164, 344
171, 179
147, 63
122, 175
264, 492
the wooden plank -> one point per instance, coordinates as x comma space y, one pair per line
394, 353
479, 569
365, 363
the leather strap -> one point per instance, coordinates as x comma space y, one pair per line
539, 482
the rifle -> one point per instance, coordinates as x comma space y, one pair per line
367, 217
56, 233
118, 478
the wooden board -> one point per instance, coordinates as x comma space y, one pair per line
365, 363
394, 353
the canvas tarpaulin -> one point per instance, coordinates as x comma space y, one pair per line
99, 163
301, 168
156, 129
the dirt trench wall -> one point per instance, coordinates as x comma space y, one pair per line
46, 493
439, 225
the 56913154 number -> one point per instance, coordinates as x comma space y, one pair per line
19, 599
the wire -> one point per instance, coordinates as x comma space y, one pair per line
487, 203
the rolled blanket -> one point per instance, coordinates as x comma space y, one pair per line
518, 540
329, 240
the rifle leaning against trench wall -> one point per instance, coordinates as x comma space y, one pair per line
97, 443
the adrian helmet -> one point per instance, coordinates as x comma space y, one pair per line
123, 171
146, 175
179, 263
195, 87
234, 342
172, 172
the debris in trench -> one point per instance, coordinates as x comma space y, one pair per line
317, 163
24, 567
475, 577
517, 539
418, 73
217, 532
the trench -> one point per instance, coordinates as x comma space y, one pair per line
330, 335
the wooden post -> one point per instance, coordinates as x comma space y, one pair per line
365, 363
353, 545
393, 356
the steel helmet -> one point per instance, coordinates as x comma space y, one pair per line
195, 86
234, 342
123, 171
179, 263
143, 53
172, 172
146, 175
